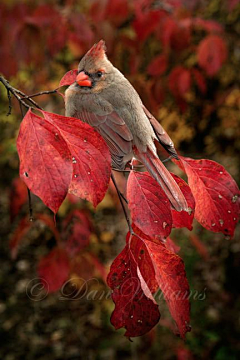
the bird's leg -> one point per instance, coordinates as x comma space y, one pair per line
120, 195
167, 159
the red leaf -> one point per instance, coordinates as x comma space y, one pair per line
216, 194
200, 81
18, 197
208, 25
45, 160
17, 236
200, 247
81, 36
158, 65
69, 78
171, 246
91, 159
82, 270
157, 93
149, 206
135, 274
183, 353
183, 218
172, 34
54, 269
117, 11
145, 24
134, 310
171, 277
23, 227
212, 53
79, 228
179, 81
46, 17
47, 220
99, 268
231, 4
143, 260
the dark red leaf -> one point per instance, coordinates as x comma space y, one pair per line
171, 246
183, 353
99, 268
69, 78
134, 310
149, 205
79, 228
173, 34
82, 270
47, 17
232, 4
145, 24
117, 11
179, 81
91, 159
216, 195
200, 247
23, 227
54, 269
199, 80
143, 266
97, 10
49, 221
183, 218
157, 93
81, 35
18, 197
171, 277
143, 260
45, 160
208, 25
212, 53
158, 65
18, 236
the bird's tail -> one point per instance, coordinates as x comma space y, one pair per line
164, 178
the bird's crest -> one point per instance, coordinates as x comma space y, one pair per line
98, 50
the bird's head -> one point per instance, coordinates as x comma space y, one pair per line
94, 70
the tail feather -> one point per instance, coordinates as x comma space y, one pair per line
164, 178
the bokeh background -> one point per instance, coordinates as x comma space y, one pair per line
183, 57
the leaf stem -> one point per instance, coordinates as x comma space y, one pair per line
30, 205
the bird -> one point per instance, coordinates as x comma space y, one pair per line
102, 97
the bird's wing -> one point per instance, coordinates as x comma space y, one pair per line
161, 134
109, 124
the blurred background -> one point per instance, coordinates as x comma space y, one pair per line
183, 57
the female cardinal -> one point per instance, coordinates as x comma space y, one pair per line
104, 98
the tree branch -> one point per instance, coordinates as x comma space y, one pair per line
19, 95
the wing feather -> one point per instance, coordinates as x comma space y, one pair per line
161, 134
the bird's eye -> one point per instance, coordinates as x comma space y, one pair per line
99, 74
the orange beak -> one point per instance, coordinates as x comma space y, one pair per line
83, 79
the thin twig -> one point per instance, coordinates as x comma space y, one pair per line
9, 103
47, 92
121, 201
15, 92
